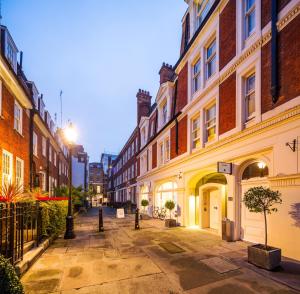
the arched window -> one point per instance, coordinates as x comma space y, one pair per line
255, 170
166, 191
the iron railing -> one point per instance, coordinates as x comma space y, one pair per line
20, 223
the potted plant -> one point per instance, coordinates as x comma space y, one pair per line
262, 200
170, 205
144, 204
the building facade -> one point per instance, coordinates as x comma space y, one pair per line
229, 120
80, 170
33, 154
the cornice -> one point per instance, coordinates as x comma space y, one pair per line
285, 181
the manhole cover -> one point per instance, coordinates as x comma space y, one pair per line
171, 247
220, 265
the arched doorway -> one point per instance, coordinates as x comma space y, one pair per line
210, 202
164, 192
253, 173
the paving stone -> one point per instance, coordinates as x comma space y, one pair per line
219, 264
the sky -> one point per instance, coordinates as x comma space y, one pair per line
99, 53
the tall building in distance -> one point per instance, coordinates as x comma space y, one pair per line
80, 168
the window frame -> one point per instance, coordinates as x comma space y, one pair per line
10, 162
18, 121
211, 58
247, 14
21, 176
247, 94
166, 150
35, 144
206, 122
164, 112
198, 129
196, 76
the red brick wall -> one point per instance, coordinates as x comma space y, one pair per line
266, 10
154, 155
227, 104
182, 135
182, 138
227, 45
182, 82
289, 65
11, 140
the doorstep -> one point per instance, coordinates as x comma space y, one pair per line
31, 256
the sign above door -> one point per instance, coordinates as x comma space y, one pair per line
225, 167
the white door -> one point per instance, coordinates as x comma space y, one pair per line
252, 224
214, 209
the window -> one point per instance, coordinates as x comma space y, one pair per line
44, 146
255, 170
11, 54
249, 6
202, 9
35, 144
143, 135
167, 150
210, 122
7, 161
152, 128
54, 158
18, 118
211, 59
196, 76
43, 181
250, 97
20, 173
164, 113
196, 132
161, 153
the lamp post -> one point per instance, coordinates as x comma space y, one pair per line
70, 136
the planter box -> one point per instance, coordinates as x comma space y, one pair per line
267, 259
144, 216
170, 223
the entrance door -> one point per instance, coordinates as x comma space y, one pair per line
252, 224
214, 209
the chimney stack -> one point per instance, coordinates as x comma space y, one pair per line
143, 104
166, 73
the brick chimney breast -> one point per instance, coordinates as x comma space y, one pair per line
166, 73
143, 104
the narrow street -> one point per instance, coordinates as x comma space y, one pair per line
151, 260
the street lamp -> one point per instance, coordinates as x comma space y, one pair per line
70, 136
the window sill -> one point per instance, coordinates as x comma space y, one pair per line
250, 122
210, 141
20, 134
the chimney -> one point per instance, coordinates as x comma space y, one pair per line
166, 73
21, 60
143, 104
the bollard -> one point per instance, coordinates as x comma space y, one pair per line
137, 225
101, 228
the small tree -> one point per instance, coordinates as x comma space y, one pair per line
144, 203
260, 199
170, 205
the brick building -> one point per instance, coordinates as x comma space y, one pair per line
32, 150
232, 100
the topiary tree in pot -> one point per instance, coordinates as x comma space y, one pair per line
262, 200
170, 205
144, 203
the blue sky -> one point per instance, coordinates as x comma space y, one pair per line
99, 53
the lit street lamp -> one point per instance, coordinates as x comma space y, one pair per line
70, 136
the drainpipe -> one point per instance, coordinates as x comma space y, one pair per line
274, 53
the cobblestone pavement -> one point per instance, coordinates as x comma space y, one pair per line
123, 260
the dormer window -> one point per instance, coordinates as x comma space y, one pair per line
42, 108
11, 52
202, 9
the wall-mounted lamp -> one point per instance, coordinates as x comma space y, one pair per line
180, 175
293, 145
261, 165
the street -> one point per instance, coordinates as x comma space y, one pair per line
151, 260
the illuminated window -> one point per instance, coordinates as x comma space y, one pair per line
210, 122
7, 161
196, 132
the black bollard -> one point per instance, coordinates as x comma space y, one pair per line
137, 219
101, 228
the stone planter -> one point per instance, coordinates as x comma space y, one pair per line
267, 259
170, 223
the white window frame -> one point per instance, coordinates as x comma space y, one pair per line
164, 113
167, 149
160, 152
20, 173
212, 58
196, 76
44, 146
194, 130
207, 122
247, 94
18, 120
35, 144
7, 171
247, 14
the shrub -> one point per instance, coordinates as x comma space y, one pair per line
53, 216
9, 281
144, 203
170, 205
261, 200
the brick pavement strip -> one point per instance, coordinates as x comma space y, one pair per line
123, 260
